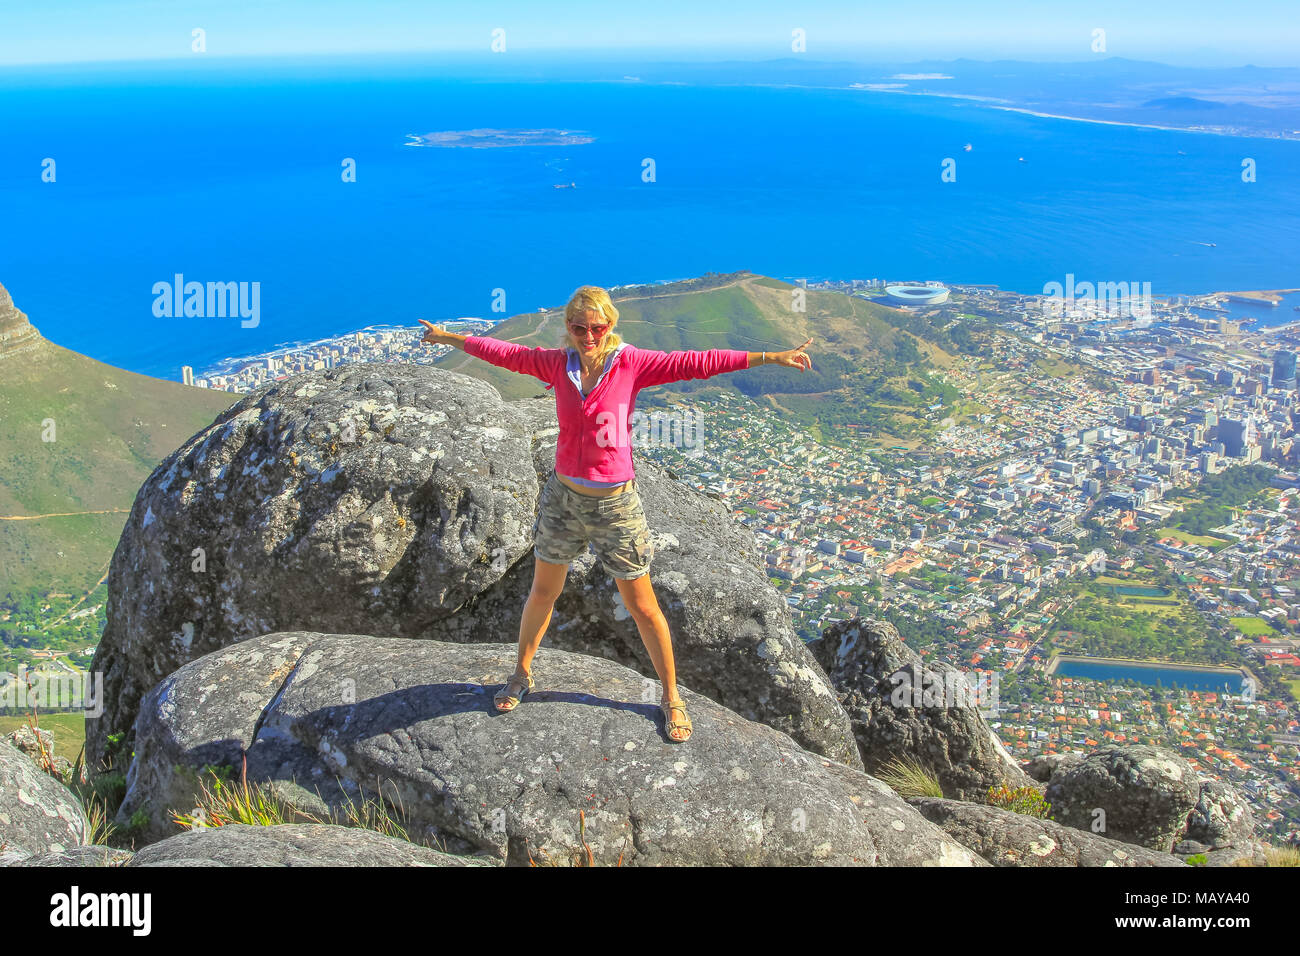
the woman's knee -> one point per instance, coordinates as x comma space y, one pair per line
548, 581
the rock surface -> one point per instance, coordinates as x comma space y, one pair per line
1222, 827
414, 718
398, 500
205, 714
1252, 854
291, 844
92, 854
1005, 838
38, 814
18, 337
1221, 817
1141, 794
1043, 766
31, 742
954, 742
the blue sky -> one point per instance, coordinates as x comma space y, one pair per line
1185, 32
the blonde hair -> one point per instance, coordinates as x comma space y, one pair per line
594, 298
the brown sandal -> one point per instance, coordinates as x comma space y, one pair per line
666, 708
513, 692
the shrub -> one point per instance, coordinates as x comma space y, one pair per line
1027, 800
908, 777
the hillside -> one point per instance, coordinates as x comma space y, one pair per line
866, 364
110, 428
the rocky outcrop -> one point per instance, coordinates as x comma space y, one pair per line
39, 746
413, 720
1005, 838
1221, 827
1137, 794
38, 814
398, 500
292, 844
1221, 817
176, 735
17, 335
886, 690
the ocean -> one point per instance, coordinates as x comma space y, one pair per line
231, 171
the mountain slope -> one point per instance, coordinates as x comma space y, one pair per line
859, 349
110, 428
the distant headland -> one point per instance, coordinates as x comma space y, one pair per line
481, 138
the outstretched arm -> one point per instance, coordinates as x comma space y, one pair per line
435, 335
659, 368
510, 355
795, 358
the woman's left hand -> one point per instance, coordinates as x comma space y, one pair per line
795, 358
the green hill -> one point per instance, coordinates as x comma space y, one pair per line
110, 429
868, 360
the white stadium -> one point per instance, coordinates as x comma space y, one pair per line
917, 294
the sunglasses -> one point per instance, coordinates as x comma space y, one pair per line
581, 330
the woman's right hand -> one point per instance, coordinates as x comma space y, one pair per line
432, 333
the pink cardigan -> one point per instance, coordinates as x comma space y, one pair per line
595, 435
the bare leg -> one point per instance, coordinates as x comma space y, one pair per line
640, 600
548, 582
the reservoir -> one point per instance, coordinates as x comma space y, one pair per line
1131, 591
1186, 676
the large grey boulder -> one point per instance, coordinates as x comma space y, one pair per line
398, 500
414, 721
1137, 794
205, 714
1222, 828
38, 814
885, 687
292, 844
1221, 817
1006, 838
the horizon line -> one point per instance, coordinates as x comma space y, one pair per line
632, 55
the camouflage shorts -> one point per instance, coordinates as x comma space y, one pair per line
612, 525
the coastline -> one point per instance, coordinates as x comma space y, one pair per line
994, 104
990, 102
288, 348
227, 365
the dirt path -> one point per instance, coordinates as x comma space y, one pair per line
86, 595
779, 405
64, 514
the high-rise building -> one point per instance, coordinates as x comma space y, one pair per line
187, 375
1283, 366
1236, 434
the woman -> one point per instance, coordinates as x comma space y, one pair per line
591, 495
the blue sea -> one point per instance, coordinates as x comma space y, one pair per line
230, 171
